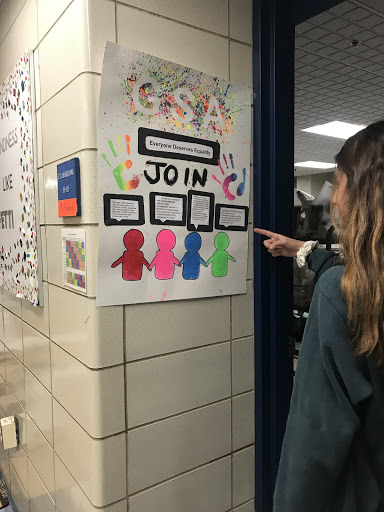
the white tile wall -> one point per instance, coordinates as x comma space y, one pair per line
5, 59
14, 371
3, 396
12, 303
40, 453
18, 491
188, 384
243, 476
87, 459
215, 18
178, 445
41, 501
242, 365
243, 413
48, 13
240, 20
102, 28
1, 324
191, 327
19, 460
94, 335
37, 354
62, 58
206, 489
95, 398
15, 7
161, 387
2, 350
200, 50
70, 497
76, 108
241, 63
242, 313
4, 18
39, 405
37, 317
247, 507
13, 338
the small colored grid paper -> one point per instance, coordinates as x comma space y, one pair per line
76, 279
75, 255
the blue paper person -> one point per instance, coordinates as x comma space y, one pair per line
192, 260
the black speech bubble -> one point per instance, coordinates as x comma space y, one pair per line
190, 226
170, 222
147, 132
231, 228
108, 221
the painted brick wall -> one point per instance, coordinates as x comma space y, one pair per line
149, 406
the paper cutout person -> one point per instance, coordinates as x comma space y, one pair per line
164, 261
192, 260
132, 259
220, 257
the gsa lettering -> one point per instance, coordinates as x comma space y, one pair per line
9, 141
181, 95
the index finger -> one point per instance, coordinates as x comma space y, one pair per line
265, 232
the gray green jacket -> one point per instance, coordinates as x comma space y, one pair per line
333, 452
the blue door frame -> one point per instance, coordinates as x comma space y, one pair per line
273, 78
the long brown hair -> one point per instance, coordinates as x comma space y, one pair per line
362, 160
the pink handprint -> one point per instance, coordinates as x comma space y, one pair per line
230, 178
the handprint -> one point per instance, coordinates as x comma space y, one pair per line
119, 169
230, 178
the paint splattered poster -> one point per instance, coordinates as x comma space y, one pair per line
18, 226
174, 157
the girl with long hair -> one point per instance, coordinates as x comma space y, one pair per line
333, 452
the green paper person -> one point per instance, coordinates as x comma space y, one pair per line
220, 257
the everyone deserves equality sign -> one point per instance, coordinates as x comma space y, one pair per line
174, 181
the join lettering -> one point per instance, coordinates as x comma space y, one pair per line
171, 174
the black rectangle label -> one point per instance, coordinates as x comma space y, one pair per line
168, 209
201, 208
180, 147
230, 217
123, 210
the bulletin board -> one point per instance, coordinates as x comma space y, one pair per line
19, 269
174, 181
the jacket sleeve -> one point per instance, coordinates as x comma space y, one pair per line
323, 419
321, 260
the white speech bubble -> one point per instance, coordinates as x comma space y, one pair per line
124, 209
168, 208
232, 217
200, 208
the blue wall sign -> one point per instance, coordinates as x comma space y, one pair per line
68, 188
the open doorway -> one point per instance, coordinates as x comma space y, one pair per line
339, 68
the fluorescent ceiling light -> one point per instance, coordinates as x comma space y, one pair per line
315, 165
336, 129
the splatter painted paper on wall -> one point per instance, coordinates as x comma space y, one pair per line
174, 181
18, 226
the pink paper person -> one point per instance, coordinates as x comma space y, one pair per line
165, 261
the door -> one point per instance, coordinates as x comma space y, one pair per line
273, 70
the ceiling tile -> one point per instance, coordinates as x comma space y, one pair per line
335, 81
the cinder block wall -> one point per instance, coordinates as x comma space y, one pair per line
149, 406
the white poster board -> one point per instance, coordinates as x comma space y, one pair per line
174, 183
18, 220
